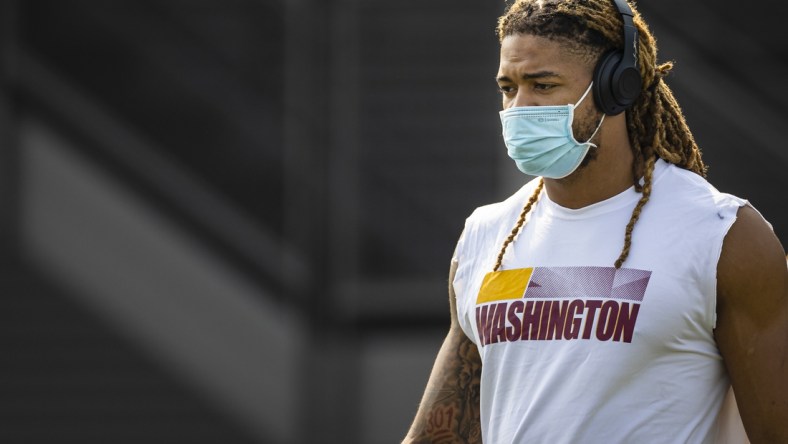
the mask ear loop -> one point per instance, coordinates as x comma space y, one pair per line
584, 94
596, 131
574, 107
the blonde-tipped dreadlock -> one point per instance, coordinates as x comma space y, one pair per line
655, 123
519, 224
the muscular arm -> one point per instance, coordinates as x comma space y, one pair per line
752, 326
449, 409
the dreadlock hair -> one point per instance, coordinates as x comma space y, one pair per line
655, 123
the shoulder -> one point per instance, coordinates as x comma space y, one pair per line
487, 224
687, 199
496, 212
752, 257
684, 186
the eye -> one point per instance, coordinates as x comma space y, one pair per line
543, 86
507, 90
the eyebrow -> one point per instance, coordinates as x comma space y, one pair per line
529, 76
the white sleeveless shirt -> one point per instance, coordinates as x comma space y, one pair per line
575, 351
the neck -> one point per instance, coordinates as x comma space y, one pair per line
604, 177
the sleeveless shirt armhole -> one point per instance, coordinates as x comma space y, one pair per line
459, 283
727, 209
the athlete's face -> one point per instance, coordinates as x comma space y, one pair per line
536, 71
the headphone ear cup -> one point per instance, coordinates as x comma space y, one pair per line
627, 85
603, 88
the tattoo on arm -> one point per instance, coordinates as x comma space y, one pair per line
449, 411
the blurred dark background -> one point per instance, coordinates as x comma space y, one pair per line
231, 221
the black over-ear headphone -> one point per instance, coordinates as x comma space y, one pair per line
616, 76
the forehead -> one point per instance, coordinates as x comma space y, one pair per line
525, 53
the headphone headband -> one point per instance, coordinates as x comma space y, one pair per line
630, 33
623, 8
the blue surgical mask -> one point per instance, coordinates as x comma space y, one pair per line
540, 141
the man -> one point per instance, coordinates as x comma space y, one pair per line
630, 294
